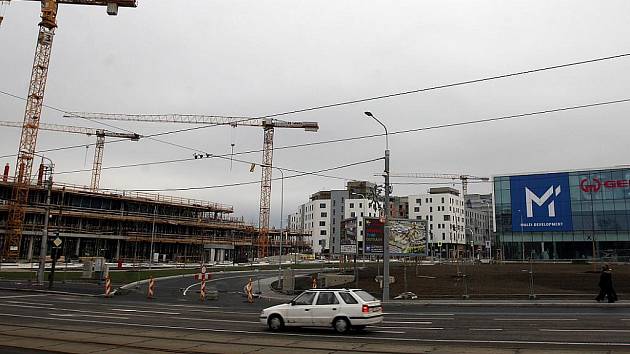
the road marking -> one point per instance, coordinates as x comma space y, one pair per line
214, 280
390, 332
31, 303
485, 329
18, 296
585, 330
401, 322
535, 319
146, 311
419, 314
397, 339
79, 315
211, 320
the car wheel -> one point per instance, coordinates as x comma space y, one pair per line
359, 328
275, 323
341, 325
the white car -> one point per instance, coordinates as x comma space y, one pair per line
341, 309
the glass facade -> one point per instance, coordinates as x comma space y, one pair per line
536, 218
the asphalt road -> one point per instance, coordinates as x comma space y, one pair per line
174, 322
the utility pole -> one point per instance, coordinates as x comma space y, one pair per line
386, 207
44, 244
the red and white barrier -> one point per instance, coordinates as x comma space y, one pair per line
108, 286
202, 293
151, 290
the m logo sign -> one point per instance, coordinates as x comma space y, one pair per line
541, 203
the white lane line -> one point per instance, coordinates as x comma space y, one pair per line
397, 339
19, 296
625, 319
421, 319
211, 320
393, 327
401, 322
585, 330
31, 303
94, 316
419, 314
535, 319
145, 311
485, 329
390, 332
230, 312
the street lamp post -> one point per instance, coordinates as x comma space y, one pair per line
386, 207
520, 212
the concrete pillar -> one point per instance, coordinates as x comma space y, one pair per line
221, 255
30, 248
117, 250
212, 254
78, 247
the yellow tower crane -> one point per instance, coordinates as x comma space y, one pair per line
100, 134
463, 178
268, 126
32, 114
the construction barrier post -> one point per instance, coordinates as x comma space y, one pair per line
108, 286
202, 293
314, 283
151, 290
249, 290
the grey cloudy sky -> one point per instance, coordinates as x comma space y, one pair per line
262, 57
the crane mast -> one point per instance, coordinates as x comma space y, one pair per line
32, 115
268, 126
463, 178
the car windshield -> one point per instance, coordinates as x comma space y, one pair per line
365, 295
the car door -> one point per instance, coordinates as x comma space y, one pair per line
299, 313
325, 308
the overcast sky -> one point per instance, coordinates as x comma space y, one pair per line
252, 58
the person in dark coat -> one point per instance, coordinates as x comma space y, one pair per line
606, 286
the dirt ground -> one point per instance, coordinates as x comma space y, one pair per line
507, 280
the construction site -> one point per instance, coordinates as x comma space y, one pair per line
84, 221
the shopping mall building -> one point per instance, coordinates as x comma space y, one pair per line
564, 215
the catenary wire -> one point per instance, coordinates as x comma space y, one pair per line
447, 125
257, 181
461, 83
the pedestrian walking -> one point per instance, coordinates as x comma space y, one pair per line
249, 290
606, 289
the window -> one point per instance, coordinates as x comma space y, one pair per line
322, 223
361, 214
447, 218
348, 298
352, 214
322, 205
324, 214
365, 295
416, 209
360, 205
327, 298
419, 201
322, 232
442, 199
360, 223
431, 218
305, 298
351, 205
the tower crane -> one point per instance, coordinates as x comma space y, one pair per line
268, 125
32, 114
100, 142
463, 178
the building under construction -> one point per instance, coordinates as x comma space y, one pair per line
131, 226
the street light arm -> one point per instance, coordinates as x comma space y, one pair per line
369, 114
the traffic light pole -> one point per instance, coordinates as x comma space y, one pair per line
44, 244
386, 231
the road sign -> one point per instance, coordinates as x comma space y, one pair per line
487, 243
57, 242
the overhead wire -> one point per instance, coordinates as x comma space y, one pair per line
460, 83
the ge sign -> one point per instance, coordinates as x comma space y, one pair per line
541, 203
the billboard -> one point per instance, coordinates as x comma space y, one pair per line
348, 237
373, 232
407, 237
541, 203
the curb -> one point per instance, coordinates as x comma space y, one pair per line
623, 304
